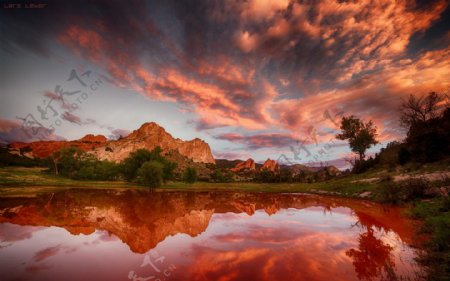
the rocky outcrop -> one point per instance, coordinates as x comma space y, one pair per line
93, 139
43, 149
149, 136
332, 171
297, 169
248, 165
271, 165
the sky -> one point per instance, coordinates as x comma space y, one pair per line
256, 78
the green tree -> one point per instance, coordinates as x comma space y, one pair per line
360, 135
67, 161
131, 164
151, 174
168, 169
286, 175
220, 175
190, 175
265, 175
98, 170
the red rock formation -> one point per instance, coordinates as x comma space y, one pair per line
248, 165
42, 149
149, 136
93, 139
271, 165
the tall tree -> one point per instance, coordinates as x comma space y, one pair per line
360, 135
416, 110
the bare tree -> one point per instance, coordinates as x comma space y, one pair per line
420, 109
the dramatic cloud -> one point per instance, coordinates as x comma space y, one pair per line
261, 66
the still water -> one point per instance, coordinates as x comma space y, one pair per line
142, 235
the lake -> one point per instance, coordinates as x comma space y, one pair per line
85, 234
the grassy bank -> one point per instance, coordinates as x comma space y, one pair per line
436, 216
15, 178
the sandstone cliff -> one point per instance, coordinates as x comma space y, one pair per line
248, 165
149, 136
43, 149
271, 165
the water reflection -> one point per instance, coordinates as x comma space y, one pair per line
201, 236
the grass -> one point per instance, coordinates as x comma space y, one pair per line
22, 181
17, 177
436, 216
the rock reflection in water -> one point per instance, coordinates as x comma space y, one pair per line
105, 234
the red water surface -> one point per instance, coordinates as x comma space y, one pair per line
140, 235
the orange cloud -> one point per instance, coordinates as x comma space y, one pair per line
343, 56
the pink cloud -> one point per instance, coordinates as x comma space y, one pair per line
13, 131
356, 47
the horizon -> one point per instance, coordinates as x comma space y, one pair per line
257, 79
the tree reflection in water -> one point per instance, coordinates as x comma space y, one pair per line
372, 256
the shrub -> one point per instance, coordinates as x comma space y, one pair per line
221, 176
363, 165
403, 156
390, 192
414, 188
407, 190
190, 175
151, 174
266, 176
8, 159
67, 161
98, 170
286, 175
129, 166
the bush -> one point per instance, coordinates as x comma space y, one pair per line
414, 188
363, 165
390, 192
68, 161
129, 166
407, 190
151, 174
403, 156
286, 175
221, 176
266, 176
429, 140
190, 175
8, 159
98, 170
